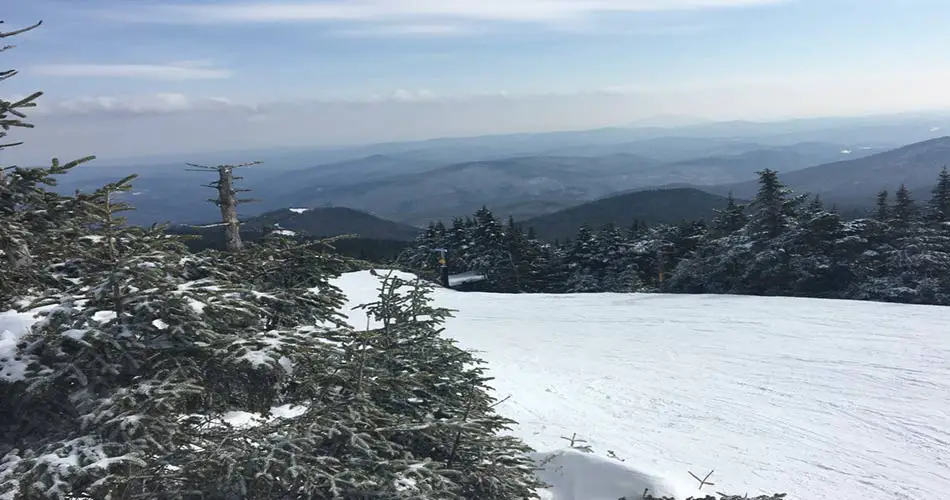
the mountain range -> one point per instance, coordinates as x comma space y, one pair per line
854, 183
531, 175
321, 222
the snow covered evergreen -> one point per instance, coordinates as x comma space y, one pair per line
131, 368
779, 244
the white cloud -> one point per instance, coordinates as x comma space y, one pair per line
402, 10
159, 103
187, 70
400, 30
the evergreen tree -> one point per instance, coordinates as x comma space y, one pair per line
730, 219
27, 210
883, 212
905, 212
772, 211
940, 202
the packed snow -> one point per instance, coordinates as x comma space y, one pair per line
819, 399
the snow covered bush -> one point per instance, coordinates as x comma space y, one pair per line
151, 372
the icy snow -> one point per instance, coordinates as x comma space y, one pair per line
815, 398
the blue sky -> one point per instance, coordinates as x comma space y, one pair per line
359, 70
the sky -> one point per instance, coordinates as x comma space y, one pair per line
140, 77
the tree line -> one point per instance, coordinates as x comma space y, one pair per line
780, 243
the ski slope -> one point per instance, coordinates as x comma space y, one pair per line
819, 399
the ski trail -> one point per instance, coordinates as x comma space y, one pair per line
816, 398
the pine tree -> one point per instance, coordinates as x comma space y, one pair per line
441, 391
730, 219
773, 210
905, 211
940, 202
29, 213
883, 212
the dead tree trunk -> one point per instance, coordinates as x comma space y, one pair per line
227, 201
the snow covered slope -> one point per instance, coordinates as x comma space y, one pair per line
820, 399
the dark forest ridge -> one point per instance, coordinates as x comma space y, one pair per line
654, 206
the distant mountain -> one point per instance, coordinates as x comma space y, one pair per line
323, 222
652, 206
346, 172
712, 170
332, 221
459, 189
524, 174
855, 182
526, 187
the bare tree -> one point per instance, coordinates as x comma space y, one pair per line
227, 200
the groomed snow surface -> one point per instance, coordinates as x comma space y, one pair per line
820, 399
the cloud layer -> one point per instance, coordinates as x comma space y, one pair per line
174, 71
408, 10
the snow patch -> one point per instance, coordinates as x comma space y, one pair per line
298, 210
575, 475
103, 316
285, 232
845, 151
245, 420
13, 327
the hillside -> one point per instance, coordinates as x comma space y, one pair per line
652, 206
325, 222
333, 221
822, 399
857, 181
459, 189
739, 167
346, 172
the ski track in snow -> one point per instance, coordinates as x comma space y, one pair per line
819, 399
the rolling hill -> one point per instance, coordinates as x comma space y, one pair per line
333, 221
526, 187
652, 206
324, 222
459, 189
855, 182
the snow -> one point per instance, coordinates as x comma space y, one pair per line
845, 151
13, 326
285, 232
298, 210
244, 419
574, 474
468, 277
815, 398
